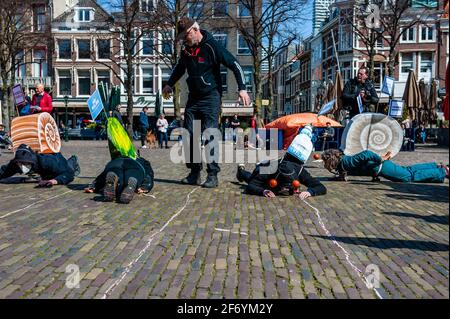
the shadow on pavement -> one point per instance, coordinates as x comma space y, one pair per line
77, 187
436, 219
412, 191
167, 181
385, 243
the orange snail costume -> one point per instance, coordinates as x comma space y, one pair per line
288, 173
37, 145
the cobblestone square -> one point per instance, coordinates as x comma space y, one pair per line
191, 242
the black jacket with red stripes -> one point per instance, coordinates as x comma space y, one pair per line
202, 63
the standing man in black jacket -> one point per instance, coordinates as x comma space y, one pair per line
202, 56
362, 86
53, 169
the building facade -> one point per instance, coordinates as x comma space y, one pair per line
82, 47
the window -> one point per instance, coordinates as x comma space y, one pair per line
220, 9
84, 49
166, 45
409, 35
104, 49
243, 48
147, 5
378, 74
64, 82
84, 15
165, 76
39, 18
84, 82
147, 44
147, 80
407, 64
248, 76
39, 63
19, 64
64, 49
103, 76
132, 44
195, 9
223, 76
426, 66
221, 37
125, 78
424, 3
426, 34
242, 10
379, 43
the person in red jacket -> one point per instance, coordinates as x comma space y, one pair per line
42, 101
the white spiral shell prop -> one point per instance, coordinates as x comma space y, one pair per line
376, 132
38, 131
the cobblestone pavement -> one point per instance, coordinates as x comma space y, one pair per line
190, 242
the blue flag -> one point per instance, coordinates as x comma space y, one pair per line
327, 108
95, 104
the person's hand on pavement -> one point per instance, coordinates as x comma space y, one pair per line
304, 195
244, 97
47, 183
268, 193
141, 191
89, 190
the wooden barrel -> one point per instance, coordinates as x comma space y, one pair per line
38, 131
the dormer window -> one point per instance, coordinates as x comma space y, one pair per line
84, 15
147, 6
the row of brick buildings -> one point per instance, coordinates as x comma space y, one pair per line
76, 53
301, 71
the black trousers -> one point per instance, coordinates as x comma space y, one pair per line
206, 109
125, 168
143, 131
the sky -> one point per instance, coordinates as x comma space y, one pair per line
305, 26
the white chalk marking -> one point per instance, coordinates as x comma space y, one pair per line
347, 255
229, 231
147, 246
38, 202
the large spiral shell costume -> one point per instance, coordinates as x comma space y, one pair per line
376, 132
38, 131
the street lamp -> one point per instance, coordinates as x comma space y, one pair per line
66, 132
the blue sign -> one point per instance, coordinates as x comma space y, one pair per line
388, 86
95, 104
396, 108
326, 108
360, 104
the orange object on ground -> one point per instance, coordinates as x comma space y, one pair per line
38, 131
273, 183
316, 156
291, 123
296, 184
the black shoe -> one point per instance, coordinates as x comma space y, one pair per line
240, 168
193, 178
109, 192
211, 181
128, 192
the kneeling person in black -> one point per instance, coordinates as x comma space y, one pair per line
286, 180
123, 177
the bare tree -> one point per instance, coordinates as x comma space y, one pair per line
279, 32
128, 25
166, 17
266, 29
20, 32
